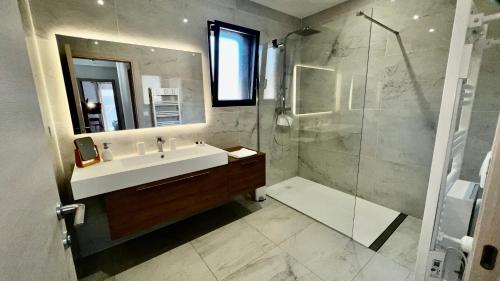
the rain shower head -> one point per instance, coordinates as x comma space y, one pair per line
306, 31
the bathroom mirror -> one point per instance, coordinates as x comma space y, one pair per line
313, 90
115, 86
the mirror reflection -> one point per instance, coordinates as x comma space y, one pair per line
314, 90
116, 86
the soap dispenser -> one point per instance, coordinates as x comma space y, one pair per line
107, 154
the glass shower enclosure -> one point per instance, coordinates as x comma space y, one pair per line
311, 118
348, 122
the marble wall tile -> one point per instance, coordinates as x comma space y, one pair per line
334, 169
487, 92
400, 187
231, 247
370, 133
422, 65
412, 96
327, 253
406, 138
338, 132
485, 112
415, 35
479, 142
51, 15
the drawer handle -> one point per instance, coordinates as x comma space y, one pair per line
172, 181
249, 162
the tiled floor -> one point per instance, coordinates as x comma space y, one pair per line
255, 242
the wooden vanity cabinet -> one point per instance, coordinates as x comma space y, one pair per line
142, 207
246, 174
138, 208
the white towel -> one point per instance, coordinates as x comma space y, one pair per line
242, 153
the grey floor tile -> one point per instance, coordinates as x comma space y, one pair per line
279, 223
402, 246
274, 265
254, 206
231, 247
180, 264
330, 255
411, 276
381, 268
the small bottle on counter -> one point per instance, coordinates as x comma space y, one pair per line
173, 143
107, 154
141, 148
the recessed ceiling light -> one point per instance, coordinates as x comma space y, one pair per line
431, 29
152, 50
416, 17
185, 20
96, 42
100, 2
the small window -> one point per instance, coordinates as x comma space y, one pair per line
233, 64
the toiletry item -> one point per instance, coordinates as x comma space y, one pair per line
141, 148
107, 154
173, 143
242, 153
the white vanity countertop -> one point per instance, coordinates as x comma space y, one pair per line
132, 170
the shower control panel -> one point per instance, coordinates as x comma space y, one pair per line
435, 266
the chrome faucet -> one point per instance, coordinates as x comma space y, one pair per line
160, 141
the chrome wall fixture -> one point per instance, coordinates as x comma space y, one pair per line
360, 13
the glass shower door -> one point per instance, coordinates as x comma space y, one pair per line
314, 141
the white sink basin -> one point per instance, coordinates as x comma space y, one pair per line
128, 171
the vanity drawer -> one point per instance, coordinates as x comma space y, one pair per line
139, 208
246, 174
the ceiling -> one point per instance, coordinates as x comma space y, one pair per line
299, 8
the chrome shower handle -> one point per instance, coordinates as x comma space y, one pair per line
77, 208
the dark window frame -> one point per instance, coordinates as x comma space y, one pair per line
215, 27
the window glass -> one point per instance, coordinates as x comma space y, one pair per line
233, 59
234, 66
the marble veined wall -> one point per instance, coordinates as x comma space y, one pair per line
403, 94
156, 23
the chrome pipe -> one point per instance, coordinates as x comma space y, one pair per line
360, 13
